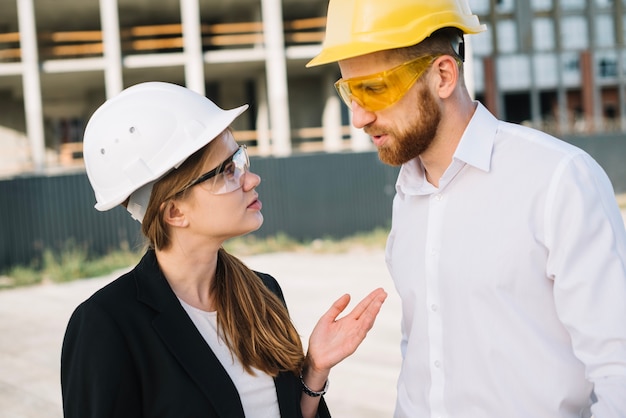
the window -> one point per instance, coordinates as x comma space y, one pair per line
606, 64
545, 66
605, 31
478, 78
513, 72
541, 5
604, 3
572, 4
481, 42
543, 34
480, 7
570, 69
517, 107
574, 33
505, 6
507, 36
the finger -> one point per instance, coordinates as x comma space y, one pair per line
337, 307
368, 317
373, 302
372, 311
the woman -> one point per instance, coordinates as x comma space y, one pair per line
190, 331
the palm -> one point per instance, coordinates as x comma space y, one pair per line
332, 339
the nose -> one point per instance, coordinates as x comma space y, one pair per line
360, 116
250, 180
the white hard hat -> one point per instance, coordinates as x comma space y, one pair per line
139, 135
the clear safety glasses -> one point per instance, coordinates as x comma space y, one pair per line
377, 91
228, 176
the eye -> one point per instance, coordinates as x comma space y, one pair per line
228, 170
374, 87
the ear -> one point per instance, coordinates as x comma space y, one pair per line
448, 72
174, 214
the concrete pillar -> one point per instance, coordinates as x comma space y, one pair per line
564, 124
618, 12
331, 116
262, 118
192, 46
588, 95
535, 99
360, 141
33, 108
276, 72
110, 23
621, 87
491, 88
598, 124
232, 95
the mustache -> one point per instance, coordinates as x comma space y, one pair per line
373, 130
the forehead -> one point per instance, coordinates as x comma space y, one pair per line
369, 64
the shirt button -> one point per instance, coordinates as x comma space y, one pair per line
433, 307
438, 197
437, 363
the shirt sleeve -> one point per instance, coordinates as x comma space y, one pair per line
587, 257
97, 375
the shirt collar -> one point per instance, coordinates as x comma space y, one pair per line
476, 145
475, 149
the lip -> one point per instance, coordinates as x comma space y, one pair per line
256, 204
379, 140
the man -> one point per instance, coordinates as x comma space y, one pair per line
507, 246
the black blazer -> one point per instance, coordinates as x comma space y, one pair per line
130, 350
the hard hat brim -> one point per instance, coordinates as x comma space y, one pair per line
355, 47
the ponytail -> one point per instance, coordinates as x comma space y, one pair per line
253, 321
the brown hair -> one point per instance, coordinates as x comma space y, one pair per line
446, 41
441, 42
252, 320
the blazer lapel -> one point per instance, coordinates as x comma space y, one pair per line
184, 341
288, 395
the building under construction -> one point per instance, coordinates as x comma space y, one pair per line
558, 65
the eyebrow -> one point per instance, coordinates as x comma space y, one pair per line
217, 170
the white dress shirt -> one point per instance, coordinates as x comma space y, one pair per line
512, 275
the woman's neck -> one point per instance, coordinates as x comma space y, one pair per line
190, 275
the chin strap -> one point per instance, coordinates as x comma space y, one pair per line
138, 201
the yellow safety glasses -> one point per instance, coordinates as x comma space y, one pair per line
377, 91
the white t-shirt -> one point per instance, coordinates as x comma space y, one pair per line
258, 392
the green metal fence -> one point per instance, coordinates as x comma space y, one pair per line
304, 196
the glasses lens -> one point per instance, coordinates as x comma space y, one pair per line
230, 175
343, 89
381, 90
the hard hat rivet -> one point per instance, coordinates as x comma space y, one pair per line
132, 129
102, 151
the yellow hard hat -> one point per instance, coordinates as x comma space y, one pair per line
359, 27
